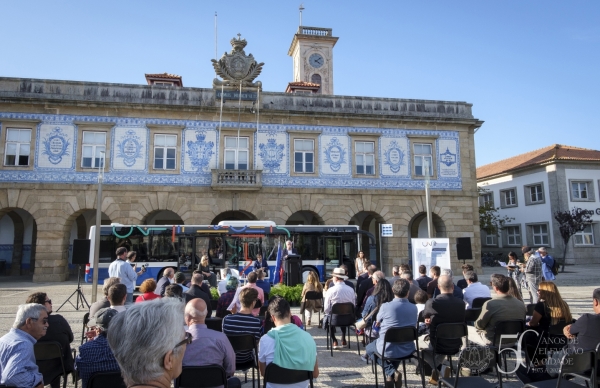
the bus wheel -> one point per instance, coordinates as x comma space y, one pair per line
306, 271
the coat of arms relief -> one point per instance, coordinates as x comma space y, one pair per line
237, 67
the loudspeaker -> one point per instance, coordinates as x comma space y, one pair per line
81, 252
463, 248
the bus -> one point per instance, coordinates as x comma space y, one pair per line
230, 244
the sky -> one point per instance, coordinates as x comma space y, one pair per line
531, 68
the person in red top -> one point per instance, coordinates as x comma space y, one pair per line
147, 289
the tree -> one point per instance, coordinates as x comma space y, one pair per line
570, 223
489, 219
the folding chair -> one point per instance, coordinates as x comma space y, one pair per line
278, 375
587, 375
106, 379
342, 315
311, 295
214, 324
471, 315
201, 377
464, 359
241, 343
397, 335
50, 351
447, 332
86, 319
478, 302
511, 328
576, 364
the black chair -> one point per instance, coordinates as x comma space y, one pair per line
342, 315
50, 351
278, 375
214, 304
106, 379
258, 304
86, 319
530, 309
471, 315
446, 332
576, 364
478, 302
464, 359
311, 295
214, 324
511, 328
398, 335
226, 313
201, 377
587, 375
244, 343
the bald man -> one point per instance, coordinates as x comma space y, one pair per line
208, 347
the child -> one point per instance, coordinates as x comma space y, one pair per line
420, 299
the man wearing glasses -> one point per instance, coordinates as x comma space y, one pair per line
17, 360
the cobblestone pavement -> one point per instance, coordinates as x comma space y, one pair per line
344, 369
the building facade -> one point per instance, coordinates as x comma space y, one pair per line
531, 188
176, 155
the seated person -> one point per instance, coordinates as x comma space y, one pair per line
203, 267
208, 347
227, 297
261, 265
175, 291
243, 322
585, 329
180, 279
474, 289
59, 331
262, 283
96, 356
457, 292
103, 303
287, 345
147, 289
462, 283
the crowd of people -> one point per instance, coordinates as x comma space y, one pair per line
151, 340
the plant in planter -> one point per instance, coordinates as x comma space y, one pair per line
214, 293
292, 294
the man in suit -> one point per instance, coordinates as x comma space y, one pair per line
167, 279
289, 250
445, 308
348, 282
363, 287
196, 291
365, 275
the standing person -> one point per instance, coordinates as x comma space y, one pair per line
122, 270
533, 273
397, 313
287, 345
166, 280
17, 360
208, 275
289, 250
339, 292
59, 331
104, 302
361, 263
131, 256
547, 264
260, 264
423, 279
310, 306
147, 289
514, 271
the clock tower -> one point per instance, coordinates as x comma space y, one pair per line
312, 53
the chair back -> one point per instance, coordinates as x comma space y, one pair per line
471, 315
513, 327
478, 302
313, 295
214, 324
578, 363
421, 317
400, 335
201, 377
342, 314
106, 379
47, 350
278, 375
449, 331
242, 342
557, 329
225, 313
214, 304
258, 304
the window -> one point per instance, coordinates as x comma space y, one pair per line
165, 147
94, 144
304, 156
491, 239
539, 234
580, 191
509, 197
18, 145
236, 155
585, 237
423, 159
513, 235
486, 199
534, 194
365, 157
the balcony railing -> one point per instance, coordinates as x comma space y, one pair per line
236, 179
315, 31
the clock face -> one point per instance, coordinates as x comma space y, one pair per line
316, 60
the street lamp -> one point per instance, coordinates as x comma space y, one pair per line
427, 208
98, 223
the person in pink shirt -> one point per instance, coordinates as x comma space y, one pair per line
235, 305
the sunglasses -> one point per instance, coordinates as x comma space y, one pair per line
45, 320
186, 341
48, 301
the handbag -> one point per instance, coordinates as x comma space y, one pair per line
362, 323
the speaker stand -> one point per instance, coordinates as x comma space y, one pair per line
79, 297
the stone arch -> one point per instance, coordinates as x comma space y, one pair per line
234, 215
162, 217
370, 221
305, 217
18, 235
417, 227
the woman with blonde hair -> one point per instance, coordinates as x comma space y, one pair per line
311, 305
551, 309
361, 263
204, 268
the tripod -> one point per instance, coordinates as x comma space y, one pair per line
80, 297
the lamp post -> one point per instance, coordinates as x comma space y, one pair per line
98, 223
427, 208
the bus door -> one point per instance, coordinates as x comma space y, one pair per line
333, 253
348, 255
186, 252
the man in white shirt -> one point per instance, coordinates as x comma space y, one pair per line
474, 289
122, 270
338, 293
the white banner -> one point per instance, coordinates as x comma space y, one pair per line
430, 252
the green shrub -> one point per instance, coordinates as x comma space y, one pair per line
291, 294
214, 293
